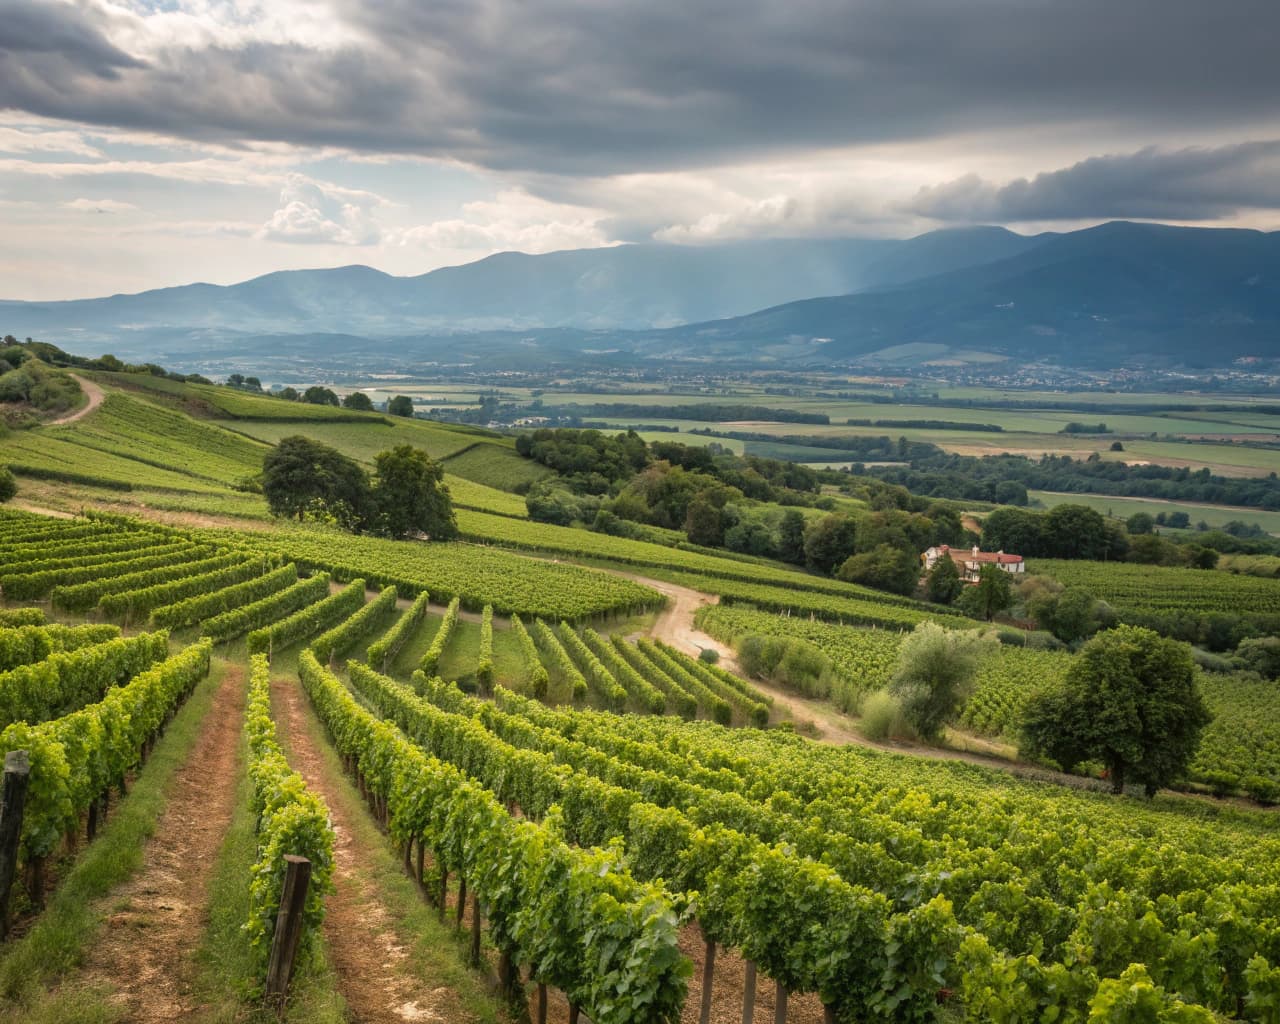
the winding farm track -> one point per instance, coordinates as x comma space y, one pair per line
95, 394
159, 917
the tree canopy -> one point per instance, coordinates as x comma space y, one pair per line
401, 405
935, 674
410, 496
1131, 701
302, 476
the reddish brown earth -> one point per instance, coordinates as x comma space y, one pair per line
371, 964
158, 918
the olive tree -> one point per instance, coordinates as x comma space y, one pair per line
935, 674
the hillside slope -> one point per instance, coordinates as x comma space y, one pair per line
1104, 296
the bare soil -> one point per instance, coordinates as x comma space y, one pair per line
371, 964
159, 917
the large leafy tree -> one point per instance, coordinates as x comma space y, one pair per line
410, 496
884, 567
401, 405
302, 476
944, 584
830, 541
791, 537
359, 401
991, 594
1131, 701
317, 395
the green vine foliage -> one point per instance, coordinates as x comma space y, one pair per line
435, 651
342, 636
192, 610
576, 915
387, 646
75, 758
309, 620
25, 644
484, 665
538, 677
291, 821
67, 680
238, 620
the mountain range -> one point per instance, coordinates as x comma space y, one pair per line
1103, 296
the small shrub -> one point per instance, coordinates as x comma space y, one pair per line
709, 654
882, 716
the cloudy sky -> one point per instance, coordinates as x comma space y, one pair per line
146, 143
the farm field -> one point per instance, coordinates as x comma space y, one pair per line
459, 735
1122, 508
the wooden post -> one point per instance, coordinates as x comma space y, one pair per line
749, 993
91, 827
421, 865
475, 930
462, 900
443, 896
780, 1003
573, 1013
828, 1014
288, 933
541, 1011
13, 798
708, 977
508, 977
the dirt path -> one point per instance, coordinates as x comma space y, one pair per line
95, 395
368, 959
40, 510
675, 626
159, 917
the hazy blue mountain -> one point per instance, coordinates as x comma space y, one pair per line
628, 287
1104, 296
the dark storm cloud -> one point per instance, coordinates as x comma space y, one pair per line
590, 86
39, 42
1184, 184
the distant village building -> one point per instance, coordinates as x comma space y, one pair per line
970, 563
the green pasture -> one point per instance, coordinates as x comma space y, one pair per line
1123, 508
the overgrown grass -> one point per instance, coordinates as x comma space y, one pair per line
226, 981
436, 951
56, 943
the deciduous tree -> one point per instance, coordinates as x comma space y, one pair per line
943, 585
1131, 701
991, 594
301, 476
410, 496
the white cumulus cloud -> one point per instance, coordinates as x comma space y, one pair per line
311, 212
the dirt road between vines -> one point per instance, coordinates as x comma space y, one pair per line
371, 964
95, 395
159, 916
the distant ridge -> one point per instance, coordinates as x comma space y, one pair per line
628, 287
1108, 296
